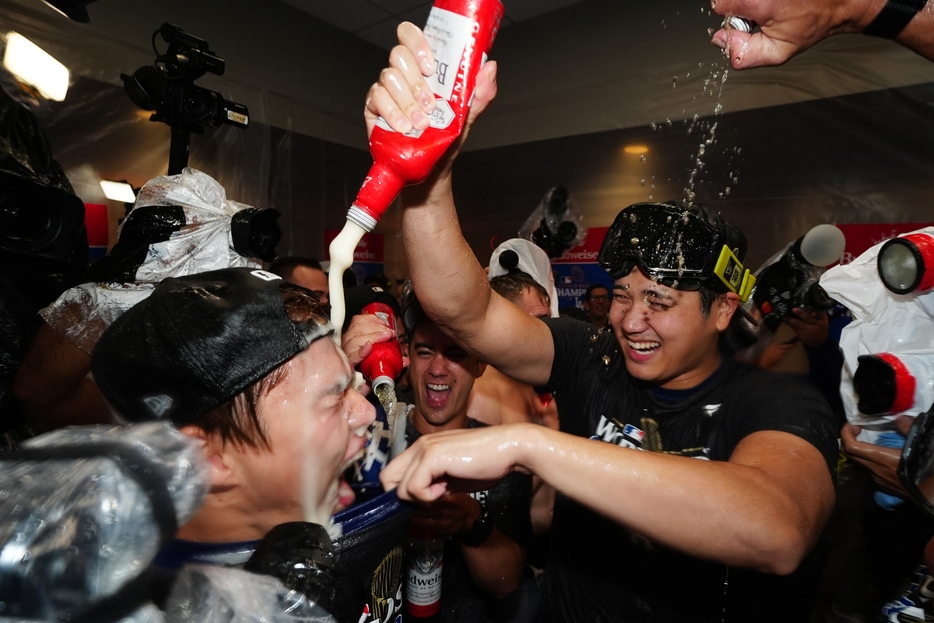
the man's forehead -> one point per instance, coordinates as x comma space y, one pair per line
645, 286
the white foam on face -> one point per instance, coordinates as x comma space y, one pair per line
341, 253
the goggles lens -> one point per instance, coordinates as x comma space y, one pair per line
674, 246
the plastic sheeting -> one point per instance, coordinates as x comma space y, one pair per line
221, 595
179, 225
883, 322
83, 510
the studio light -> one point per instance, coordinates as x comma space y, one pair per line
35, 67
118, 191
904, 263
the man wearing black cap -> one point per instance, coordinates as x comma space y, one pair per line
686, 483
242, 362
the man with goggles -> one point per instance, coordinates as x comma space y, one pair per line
686, 482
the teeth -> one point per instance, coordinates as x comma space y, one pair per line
438, 388
643, 346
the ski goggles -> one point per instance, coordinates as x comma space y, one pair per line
676, 247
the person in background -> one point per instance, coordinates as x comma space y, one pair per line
789, 28
303, 271
597, 305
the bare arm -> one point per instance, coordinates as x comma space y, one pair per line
448, 279
53, 386
763, 509
789, 27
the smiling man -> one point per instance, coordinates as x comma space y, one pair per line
597, 305
489, 529
687, 483
237, 359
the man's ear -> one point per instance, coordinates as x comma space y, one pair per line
725, 307
217, 454
481, 368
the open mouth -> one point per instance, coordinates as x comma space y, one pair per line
640, 351
437, 394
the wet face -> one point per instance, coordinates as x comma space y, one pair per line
665, 337
442, 375
311, 278
315, 422
534, 303
598, 305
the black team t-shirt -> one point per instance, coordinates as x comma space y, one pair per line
507, 503
599, 571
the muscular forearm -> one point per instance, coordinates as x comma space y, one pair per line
449, 281
753, 515
495, 566
454, 290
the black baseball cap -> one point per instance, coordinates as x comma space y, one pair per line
199, 340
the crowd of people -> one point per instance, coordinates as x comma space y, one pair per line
619, 466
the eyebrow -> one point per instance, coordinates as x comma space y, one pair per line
338, 387
657, 294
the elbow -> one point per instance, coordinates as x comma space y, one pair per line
784, 554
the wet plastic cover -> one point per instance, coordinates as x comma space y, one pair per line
204, 594
532, 261
883, 322
83, 511
179, 225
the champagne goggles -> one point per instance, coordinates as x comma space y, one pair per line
675, 247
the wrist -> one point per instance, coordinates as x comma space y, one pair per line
479, 532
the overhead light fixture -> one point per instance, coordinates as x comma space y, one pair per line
118, 191
906, 263
35, 67
636, 150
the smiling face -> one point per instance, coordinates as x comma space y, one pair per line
311, 278
315, 422
442, 375
665, 337
598, 305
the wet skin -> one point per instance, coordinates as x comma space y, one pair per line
442, 375
663, 334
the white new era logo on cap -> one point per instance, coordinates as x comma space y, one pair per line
159, 405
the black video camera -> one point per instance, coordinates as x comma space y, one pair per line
167, 86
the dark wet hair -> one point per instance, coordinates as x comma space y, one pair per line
511, 286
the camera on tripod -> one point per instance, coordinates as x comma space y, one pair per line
167, 86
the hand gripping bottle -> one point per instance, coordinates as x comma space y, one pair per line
460, 33
384, 364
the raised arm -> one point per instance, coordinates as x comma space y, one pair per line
789, 27
449, 281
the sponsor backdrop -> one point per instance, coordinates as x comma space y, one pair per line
368, 257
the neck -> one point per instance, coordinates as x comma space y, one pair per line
225, 517
696, 376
